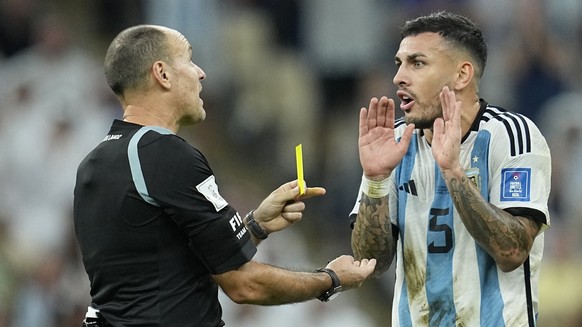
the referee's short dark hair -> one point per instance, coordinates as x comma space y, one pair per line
131, 54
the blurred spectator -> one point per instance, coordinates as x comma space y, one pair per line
16, 20
562, 124
535, 59
55, 93
50, 113
559, 289
276, 103
341, 40
286, 17
8, 277
37, 302
114, 15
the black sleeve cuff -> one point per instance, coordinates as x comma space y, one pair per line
530, 213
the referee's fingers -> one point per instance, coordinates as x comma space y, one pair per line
284, 194
292, 217
290, 192
294, 206
311, 192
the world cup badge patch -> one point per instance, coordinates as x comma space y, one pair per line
209, 189
515, 184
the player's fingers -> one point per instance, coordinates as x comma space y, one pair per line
372, 113
451, 105
442, 101
457, 113
363, 127
382, 110
406, 137
390, 114
438, 127
444, 97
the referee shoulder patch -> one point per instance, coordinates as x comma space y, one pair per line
209, 189
516, 127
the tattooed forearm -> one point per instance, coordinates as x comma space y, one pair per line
372, 234
505, 237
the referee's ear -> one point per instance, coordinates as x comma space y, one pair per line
161, 74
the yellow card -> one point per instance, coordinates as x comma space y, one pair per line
299, 160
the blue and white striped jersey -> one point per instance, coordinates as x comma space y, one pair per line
443, 277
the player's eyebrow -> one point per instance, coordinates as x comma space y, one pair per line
411, 57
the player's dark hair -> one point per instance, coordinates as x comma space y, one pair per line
131, 55
460, 31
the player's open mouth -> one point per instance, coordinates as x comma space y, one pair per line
406, 100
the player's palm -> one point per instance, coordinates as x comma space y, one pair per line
446, 140
379, 151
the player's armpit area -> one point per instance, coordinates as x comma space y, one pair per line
529, 213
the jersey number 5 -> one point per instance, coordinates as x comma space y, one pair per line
434, 226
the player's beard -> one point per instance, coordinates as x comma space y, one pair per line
425, 114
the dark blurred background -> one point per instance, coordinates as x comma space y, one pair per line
279, 73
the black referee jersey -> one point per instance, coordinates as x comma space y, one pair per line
152, 227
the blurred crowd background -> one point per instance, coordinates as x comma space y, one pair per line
279, 73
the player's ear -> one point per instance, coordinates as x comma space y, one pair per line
465, 74
161, 74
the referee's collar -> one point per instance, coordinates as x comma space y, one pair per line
118, 123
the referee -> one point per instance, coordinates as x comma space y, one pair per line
156, 236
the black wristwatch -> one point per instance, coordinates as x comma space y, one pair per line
336, 286
254, 227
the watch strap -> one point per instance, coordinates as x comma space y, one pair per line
335, 285
254, 227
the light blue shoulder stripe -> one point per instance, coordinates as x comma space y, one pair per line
135, 165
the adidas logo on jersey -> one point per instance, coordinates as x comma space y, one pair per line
409, 187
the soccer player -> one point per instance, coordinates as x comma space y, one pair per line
457, 189
156, 236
